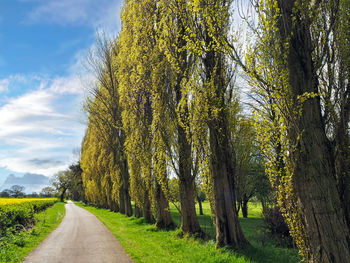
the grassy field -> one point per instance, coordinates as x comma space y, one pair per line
14, 246
144, 243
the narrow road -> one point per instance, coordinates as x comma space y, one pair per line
80, 237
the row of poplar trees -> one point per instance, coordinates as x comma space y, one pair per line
164, 100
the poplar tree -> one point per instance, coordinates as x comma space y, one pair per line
300, 71
209, 26
141, 74
105, 138
171, 29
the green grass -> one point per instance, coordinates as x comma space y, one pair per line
14, 247
144, 243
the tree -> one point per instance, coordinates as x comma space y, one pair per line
5, 193
209, 27
201, 197
61, 182
250, 176
47, 191
17, 190
298, 69
76, 187
103, 159
141, 65
171, 29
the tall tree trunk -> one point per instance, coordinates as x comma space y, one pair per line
263, 205
164, 219
126, 186
138, 211
200, 207
147, 209
239, 204
245, 206
114, 206
189, 220
121, 201
228, 229
328, 238
62, 194
342, 161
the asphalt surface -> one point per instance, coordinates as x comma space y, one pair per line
80, 238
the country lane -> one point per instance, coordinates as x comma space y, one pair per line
80, 238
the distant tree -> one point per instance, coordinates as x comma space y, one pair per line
47, 191
60, 182
5, 193
174, 193
76, 187
33, 194
17, 190
201, 197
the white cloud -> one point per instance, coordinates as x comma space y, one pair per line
94, 13
40, 124
4, 84
23, 165
68, 85
44, 122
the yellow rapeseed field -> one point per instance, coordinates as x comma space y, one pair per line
11, 201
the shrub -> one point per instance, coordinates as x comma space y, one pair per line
276, 226
19, 215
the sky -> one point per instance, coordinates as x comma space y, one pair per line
43, 45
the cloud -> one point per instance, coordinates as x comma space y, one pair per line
7, 83
31, 182
39, 128
45, 162
77, 13
69, 85
4, 84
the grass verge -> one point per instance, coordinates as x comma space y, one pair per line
14, 247
144, 243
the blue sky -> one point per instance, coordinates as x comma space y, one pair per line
43, 44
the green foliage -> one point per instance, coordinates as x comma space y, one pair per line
103, 160
276, 225
14, 246
281, 106
201, 197
14, 217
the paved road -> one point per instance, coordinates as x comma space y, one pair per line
80, 238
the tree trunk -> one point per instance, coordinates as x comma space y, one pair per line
200, 207
189, 220
245, 206
263, 205
342, 163
121, 201
125, 188
228, 229
62, 194
138, 211
147, 209
114, 206
327, 234
164, 219
239, 204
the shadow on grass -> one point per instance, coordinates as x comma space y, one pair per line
261, 248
